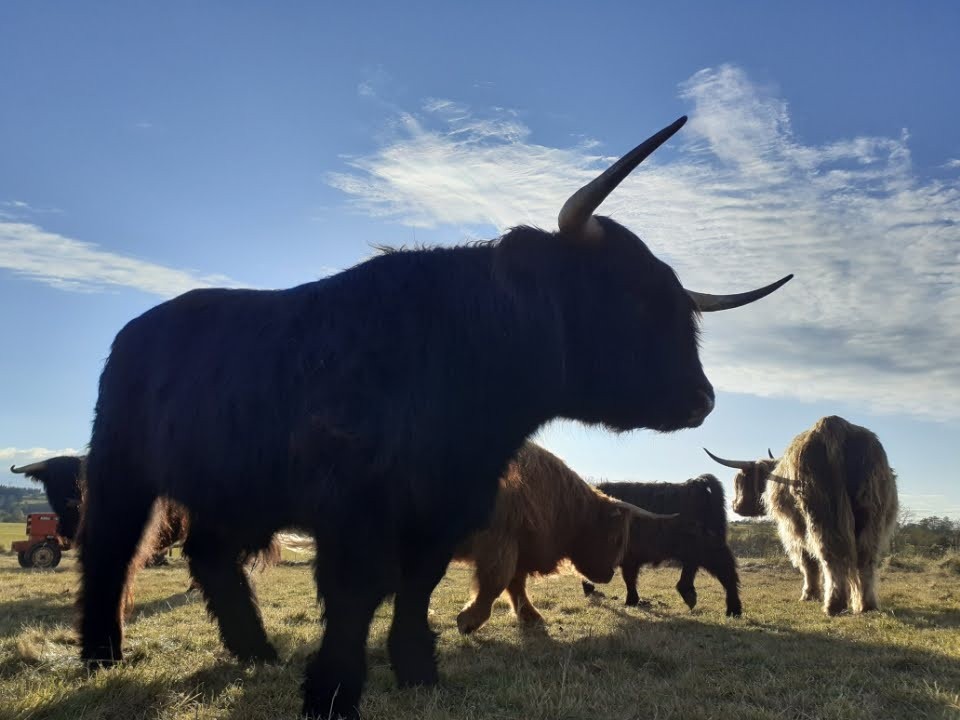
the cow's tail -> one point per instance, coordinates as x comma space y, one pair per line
716, 504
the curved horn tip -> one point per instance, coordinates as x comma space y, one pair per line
770, 453
576, 215
735, 464
31, 467
708, 302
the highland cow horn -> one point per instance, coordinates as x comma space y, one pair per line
735, 464
640, 512
770, 453
714, 303
31, 468
576, 216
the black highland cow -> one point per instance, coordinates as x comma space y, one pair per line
60, 477
376, 409
698, 537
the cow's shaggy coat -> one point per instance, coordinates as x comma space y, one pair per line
833, 496
376, 409
544, 514
697, 539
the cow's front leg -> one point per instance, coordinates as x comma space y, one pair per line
412, 643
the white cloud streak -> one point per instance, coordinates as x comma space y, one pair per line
24, 456
21, 456
873, 315
68, 264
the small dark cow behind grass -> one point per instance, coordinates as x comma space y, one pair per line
376, 409
545, 514
698, 537
62, 478
834, 498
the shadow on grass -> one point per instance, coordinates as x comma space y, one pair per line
51, 611
44, 610
924, 618
122, 694
716, 670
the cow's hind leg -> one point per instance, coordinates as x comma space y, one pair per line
836, 588
116, 511
864, 581
719, 562
496, 564
216, 564
412, 643
630, 569
810, 567
522, 605
685, 586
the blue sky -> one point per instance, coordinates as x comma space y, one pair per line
149, 148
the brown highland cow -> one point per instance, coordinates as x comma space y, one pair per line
544, 514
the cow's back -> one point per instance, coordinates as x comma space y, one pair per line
836, 470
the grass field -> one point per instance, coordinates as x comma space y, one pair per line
594, 659
9, 532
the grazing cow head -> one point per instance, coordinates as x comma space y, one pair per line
60, 477
750, 482
604, 537
630, 328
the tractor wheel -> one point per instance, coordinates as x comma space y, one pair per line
45, 556
24, 560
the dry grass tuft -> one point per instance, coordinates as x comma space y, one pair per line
594, 659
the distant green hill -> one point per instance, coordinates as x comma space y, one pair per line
16, 502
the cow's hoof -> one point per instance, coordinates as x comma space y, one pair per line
467, 623
321, 701
735, 611
689, 597
265, 655
529, 616
834, 609
100, 658
423, 676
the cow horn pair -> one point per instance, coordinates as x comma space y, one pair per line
640, 512
749, 464
576, 217
31, 468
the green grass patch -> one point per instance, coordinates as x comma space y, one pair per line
10, 532
594, 659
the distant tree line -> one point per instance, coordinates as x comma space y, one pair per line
17, 502
931, 537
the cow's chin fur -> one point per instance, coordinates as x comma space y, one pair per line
605, 544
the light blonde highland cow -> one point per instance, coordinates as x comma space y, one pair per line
834, 498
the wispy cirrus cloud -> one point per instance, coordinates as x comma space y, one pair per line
21, 456
68, 264
873, 315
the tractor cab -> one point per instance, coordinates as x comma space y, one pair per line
44, 546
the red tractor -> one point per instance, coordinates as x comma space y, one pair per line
43, 546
